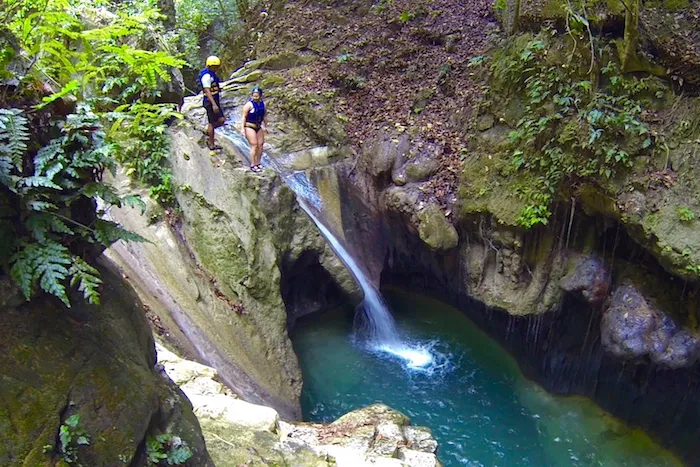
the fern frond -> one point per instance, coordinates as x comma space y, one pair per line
35, 205
87, 278
99, 190
6, 167
40, 223
48, 154
40, 181
134, 201
22, 270
107, 232
43, 263
14, 133
51, 275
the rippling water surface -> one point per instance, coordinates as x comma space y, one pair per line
480, 408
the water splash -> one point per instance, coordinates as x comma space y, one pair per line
379, 326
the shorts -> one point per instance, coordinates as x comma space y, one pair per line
211, 115
253, 126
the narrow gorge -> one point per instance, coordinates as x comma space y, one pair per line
474, 242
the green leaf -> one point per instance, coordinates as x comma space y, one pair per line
69, 88
39, 181
107, 232
64, 437
134, 201
179, 455
87, 279
73, 420
99, 190
43, 263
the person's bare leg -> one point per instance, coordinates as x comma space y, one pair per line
252, 140
210, 132
261, 141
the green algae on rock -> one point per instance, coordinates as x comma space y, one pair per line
95, 361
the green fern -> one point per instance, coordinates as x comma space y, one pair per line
43, 263
14, 134
107, 232
87, 279
65, 171
41, 223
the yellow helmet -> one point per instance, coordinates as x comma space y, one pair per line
213, 61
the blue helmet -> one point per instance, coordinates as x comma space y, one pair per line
257, 89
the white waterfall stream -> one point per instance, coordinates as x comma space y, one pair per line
380, 326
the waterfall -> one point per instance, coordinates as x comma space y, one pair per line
380, 327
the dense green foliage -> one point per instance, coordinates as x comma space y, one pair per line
581, 120
80, 66
38, 223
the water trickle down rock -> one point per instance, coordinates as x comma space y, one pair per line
632, 327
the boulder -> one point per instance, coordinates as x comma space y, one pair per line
100, 368
238, 433
589, 277
632, 327
435, 230
378, 157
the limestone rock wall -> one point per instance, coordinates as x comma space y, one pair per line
240, 433
96, 362
220, 273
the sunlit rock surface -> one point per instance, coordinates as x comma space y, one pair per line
240, 433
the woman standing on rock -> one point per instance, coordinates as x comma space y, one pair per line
254, 116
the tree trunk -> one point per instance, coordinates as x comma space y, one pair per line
628, 57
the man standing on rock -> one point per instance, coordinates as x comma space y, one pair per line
210, 83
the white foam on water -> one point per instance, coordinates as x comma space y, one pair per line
414, 357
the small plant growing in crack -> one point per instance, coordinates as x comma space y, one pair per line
166, 449
685, 215
70, 437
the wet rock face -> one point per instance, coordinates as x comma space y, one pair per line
589, 277
631, 328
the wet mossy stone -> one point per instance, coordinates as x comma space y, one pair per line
435, 230
52, 367
248, 78
272, 81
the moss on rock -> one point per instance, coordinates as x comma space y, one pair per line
94, 361
435, 230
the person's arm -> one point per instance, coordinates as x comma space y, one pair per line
210, 96
265, 122
206, 85
246, 109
